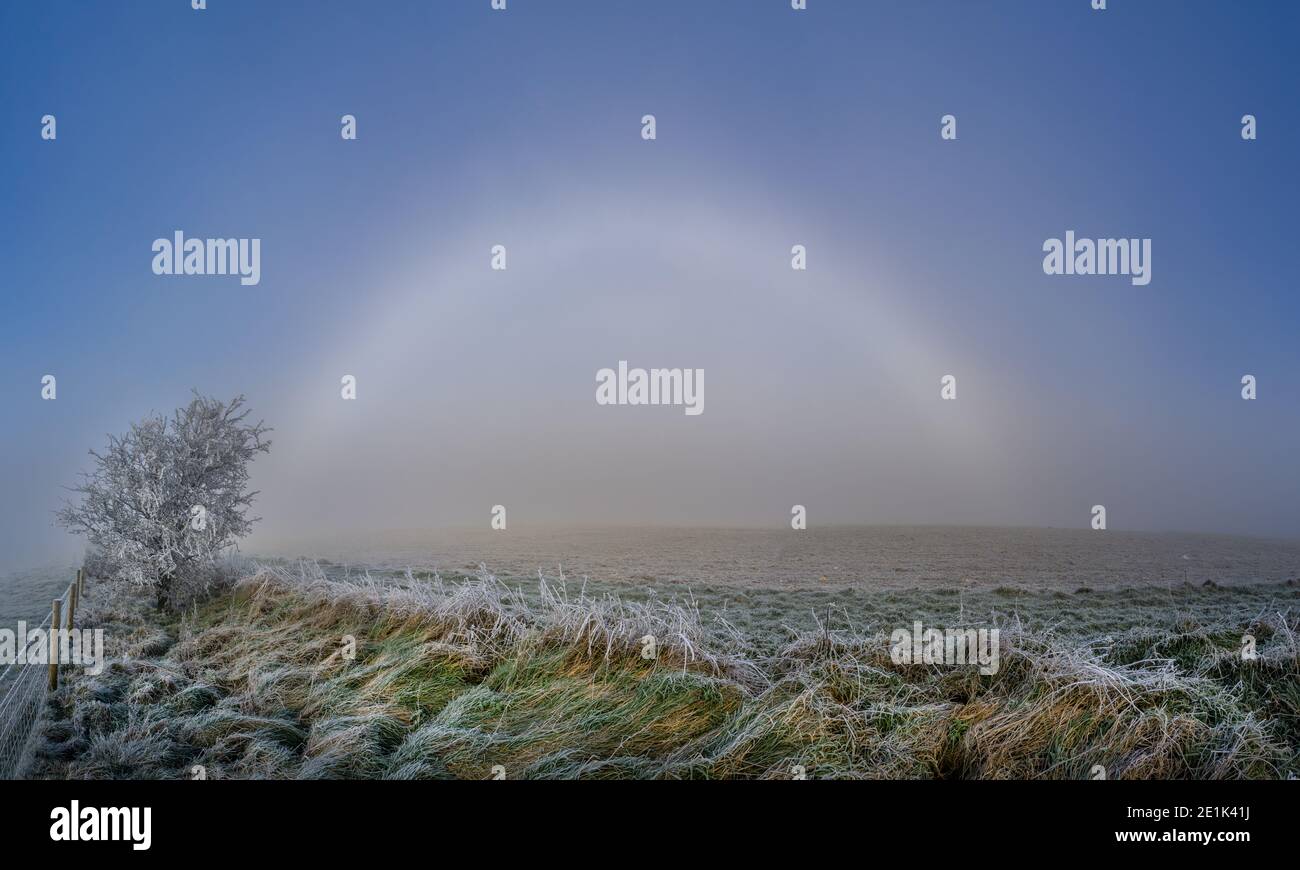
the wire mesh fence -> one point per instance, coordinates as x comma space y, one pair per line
24, 684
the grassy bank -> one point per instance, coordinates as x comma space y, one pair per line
473, 679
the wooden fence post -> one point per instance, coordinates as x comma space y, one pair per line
55, 622
72, 605
81, 581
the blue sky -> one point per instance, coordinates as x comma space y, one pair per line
774, 128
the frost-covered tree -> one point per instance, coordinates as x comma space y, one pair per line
166, 499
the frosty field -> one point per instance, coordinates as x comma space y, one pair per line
306, 671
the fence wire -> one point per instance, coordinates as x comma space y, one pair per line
23, 688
